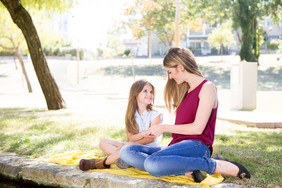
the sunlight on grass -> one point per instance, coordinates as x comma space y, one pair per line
260, 150
38, 133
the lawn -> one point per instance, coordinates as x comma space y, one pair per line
38, 133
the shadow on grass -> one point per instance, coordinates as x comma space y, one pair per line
145, 70
3, 76
268, 80
20, 113
219, 76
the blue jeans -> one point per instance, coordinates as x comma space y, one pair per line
177, 159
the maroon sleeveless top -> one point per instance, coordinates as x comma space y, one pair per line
186, 113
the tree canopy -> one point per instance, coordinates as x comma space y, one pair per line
23, 20
221, 36
49, 5
245, 15
158, 16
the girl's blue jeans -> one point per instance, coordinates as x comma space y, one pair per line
177, 159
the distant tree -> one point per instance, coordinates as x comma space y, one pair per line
23, 20
245, 15
145, 17
140, 18
11, 39
126, 52
114, 46
221, 36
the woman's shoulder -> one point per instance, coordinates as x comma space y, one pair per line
208, 89
209, 85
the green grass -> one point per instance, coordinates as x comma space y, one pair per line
260, 150
25, 132
40, 133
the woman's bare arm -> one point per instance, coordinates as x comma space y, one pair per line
208, 101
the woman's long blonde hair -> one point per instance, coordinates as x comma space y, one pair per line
174, 93
130, 123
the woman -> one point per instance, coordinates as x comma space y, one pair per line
195, 102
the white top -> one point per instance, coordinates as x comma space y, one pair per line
144, 121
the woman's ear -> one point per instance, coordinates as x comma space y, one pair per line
180, 67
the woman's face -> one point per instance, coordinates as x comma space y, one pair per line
174, 73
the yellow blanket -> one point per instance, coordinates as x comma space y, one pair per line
72, 159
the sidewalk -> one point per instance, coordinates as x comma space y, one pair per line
252, 119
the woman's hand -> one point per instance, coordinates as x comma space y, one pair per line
154, 131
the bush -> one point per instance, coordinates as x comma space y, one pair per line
61, 51
6, 53
127, 52
272, 44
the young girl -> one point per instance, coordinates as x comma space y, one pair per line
139, 117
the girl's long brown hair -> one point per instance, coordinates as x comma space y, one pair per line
174, 93
130, 123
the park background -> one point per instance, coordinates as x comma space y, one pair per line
92, 58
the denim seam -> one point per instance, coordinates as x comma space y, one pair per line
213, 168
180, 149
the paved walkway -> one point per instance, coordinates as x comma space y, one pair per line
252, 119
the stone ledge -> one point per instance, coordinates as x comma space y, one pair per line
51, 174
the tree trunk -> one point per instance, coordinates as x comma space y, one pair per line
24, 71
246, 51
15, 63
221, 52
48, 85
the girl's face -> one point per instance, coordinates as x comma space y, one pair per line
146, 96
174, 73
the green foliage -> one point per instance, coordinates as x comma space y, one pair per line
245, 15
50, 5
6, 53
11, 36
126, 52
61, 51
114, 46
158, 16
280, 46
221, 36
272, 44
247, 20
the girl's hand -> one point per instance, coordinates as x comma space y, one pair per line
154, 131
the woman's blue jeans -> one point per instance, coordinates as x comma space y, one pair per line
177, 159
